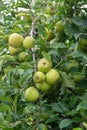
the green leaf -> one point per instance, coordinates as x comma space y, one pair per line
80, 22
59, 107
68, 82
46, 55
5, 108
57, 45
26, 76
69, 30
82, 105
78, 55
41, 30
65, 123
7, 58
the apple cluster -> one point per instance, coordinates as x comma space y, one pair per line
16, 42
44, 79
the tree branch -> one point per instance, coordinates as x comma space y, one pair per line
31, 34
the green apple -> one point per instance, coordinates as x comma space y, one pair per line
42, 127
59, 27
77, 128
39, 77
15, 40
28, 42
83, 41
12, 50
23, 56
44, 86
44, 65
52, 76
31, 94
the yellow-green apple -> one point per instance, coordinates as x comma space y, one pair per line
15, 40
28, 42
23, 56
12, 50
44, 86
44, 65
52, 76
39, 77
31, 94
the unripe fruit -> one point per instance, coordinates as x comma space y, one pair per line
12, 50
43, 86
39, 77
15, 40
52, 76
59, 27
28, 42
44, 65
31, 94
23, 56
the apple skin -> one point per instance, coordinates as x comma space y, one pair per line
28, 42
59, 27
77, 128
23, 56
43, 86
42, 127
12, 50
52, 76
39, 77
15, 40
44, 65
31, 94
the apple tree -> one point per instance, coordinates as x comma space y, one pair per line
43, 65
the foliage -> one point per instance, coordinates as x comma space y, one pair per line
64, 106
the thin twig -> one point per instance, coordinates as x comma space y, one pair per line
61, 61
